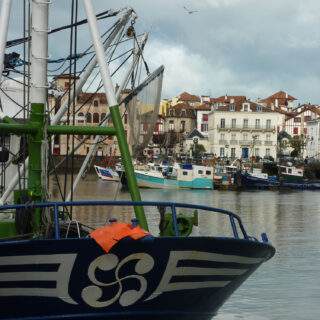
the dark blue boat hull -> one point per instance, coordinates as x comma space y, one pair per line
152, 278
247, 181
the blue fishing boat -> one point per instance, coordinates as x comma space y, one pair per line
53, 267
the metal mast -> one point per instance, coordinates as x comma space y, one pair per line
80, 83
115, 113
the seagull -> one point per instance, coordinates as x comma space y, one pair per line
190, 11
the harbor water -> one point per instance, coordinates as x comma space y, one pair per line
287, 286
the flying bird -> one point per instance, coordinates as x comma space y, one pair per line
190, 11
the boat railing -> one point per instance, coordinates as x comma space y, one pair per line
235, 220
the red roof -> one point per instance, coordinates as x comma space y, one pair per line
185, 96
281, 96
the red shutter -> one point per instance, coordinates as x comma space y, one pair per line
295, 130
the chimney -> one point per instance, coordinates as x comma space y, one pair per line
272, 106
226, 97
286, 95
276, 103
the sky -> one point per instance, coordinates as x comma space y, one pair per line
235, 47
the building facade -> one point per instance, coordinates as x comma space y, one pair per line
313, 139
243, 130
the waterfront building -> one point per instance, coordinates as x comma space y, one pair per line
279, 101
313, 139
296, 121
239, 128
89, 109
185, 97
202, 114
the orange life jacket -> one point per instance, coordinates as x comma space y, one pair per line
109, 235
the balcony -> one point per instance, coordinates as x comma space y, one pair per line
268, 143
223, 142
246, 128
245, 142
233, 142
258, 143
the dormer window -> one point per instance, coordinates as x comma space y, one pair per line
245, 108
232, 107
259, 108
171, 113
183, 113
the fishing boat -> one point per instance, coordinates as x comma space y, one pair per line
251, 180
53, 267
185, 176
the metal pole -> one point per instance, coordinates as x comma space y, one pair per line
79, 84
4, 23
115, 113
94, 146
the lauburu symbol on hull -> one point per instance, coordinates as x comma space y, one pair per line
108, 262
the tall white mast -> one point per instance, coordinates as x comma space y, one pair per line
4, 23
39, 51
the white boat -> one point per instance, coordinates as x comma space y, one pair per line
105, 173
185, 176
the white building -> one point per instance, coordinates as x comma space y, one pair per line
202, 113
242, 130
313, 139
296, 121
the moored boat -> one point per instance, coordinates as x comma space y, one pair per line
106, 173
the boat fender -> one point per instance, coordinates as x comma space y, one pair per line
109, 235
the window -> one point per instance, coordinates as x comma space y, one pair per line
125, 118
88, 118
297, 120
268, 137
307, 118
80, 136
222, 123
245, 136
171, 125
232, 107
233, 123
295, 130
305, 130
268, 124
233, 152
245, 108
233, 136
268, 152
66, 85
259, 108
95, 103
56, 139
245, 123
256, 152
182, 126
289, 170
205, 117
183, 113
200, 172
185, 173
171, 113
96, 118
204, 127
208, 172
102, 116
257, 123
222, 136
221, 152
80, 117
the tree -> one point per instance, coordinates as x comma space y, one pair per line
198, 150
298, 144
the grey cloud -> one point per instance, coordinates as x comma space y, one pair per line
250, 47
